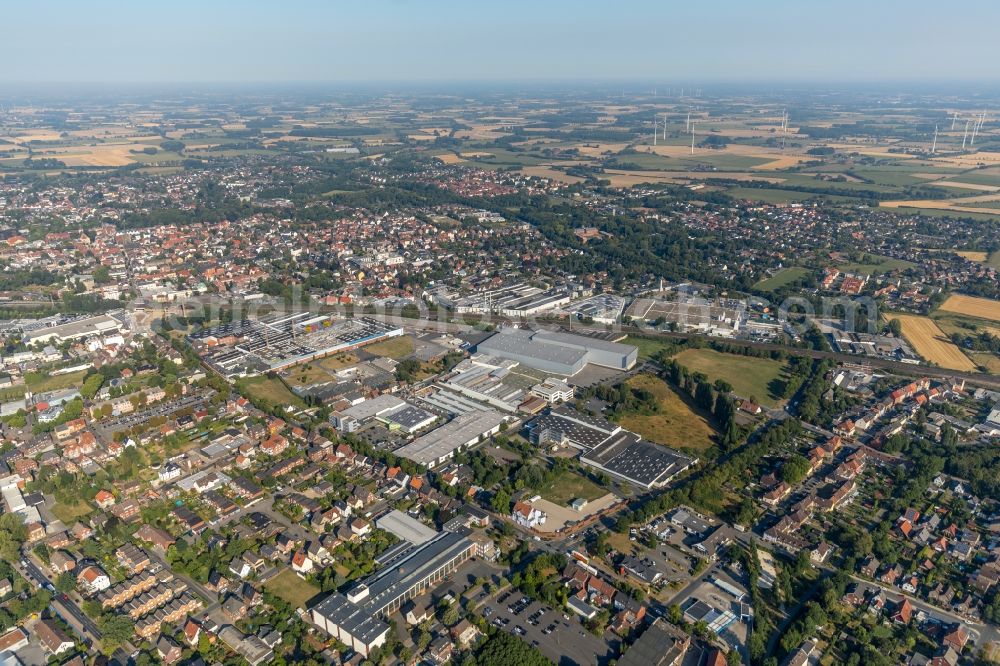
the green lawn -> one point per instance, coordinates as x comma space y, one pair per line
70, 513
293, 589
568, 486
782, 278
760, 378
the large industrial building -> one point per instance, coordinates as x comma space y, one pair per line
609, 447
389, 410
440, 444
357, 617
76, 329
556, 352
277, 341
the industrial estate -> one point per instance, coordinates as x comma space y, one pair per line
647, 375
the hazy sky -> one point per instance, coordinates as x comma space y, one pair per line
440, 40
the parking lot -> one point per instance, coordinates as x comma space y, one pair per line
560, 637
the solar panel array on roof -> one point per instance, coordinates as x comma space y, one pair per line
636, 460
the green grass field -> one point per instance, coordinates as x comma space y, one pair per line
773, 195
40, 382
782, 278
941, 212
876, 264
395, 348
648, 347
994, 260
268, 390
760, 378
12, 393
70, 513
290, 587
677, 424
570, 485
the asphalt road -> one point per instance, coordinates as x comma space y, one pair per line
65, 607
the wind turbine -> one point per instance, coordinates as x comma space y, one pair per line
664, 127
934, 145
966, 135
654, 129
688, 126
953, 119
692, 139
977, 127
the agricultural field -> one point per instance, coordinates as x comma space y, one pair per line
760, 378
782, 278
293, 589
982, 308
677, 424
932, 344
973, 255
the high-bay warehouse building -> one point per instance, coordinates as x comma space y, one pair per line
357, 618
557, 352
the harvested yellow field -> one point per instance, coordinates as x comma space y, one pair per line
474, 155
104, 132
966, 186
984, 308
101, 155
957, 204
551, 174
972, 255
443, 131
970, 160
449, 158
780, 163
596, 150
36, 136
932, 344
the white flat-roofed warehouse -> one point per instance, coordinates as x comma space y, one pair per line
558, 353
463, 431
81, 328
406, 528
